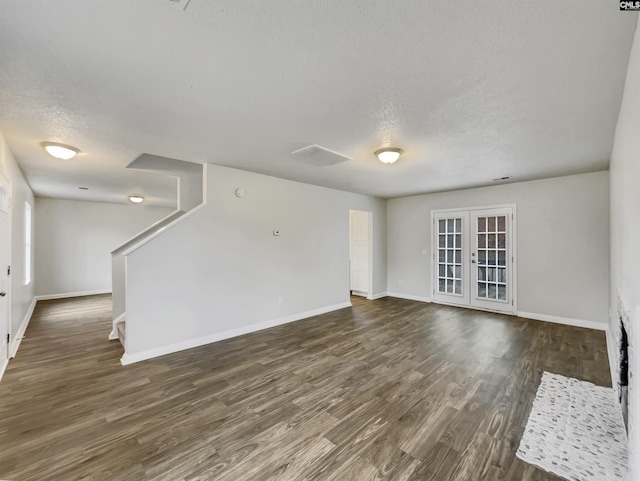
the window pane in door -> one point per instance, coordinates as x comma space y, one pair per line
450, 256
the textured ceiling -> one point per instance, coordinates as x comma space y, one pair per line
471, 90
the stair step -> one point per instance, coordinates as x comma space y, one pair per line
122, 329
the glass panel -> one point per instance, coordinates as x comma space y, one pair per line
450, 238
458, 241
482, 241
458, 272
450, 256
491, 274
458, 225
449, 286
502, 275
482, 273
502, 293
458, 287
502, 239
482, 258
441, 269
491, 224
441, 255
449, 271
491, 291
502, 223
492, 241
458, 256
482, 289
491, 258
482, 224
441, 285
442, 241
450, 226
502, 258
442, 225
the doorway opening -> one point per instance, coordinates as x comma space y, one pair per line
474, 258
361, 253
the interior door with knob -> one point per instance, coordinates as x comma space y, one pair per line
473, 258
5, 256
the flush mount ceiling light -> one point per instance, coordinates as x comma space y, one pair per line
388, 155
60, 151
136, 199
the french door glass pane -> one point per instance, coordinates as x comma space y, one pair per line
491, 253
450, 256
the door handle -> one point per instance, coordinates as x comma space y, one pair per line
2, 294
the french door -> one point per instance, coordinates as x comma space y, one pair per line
474, 258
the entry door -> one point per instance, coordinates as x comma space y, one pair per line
491, 259
473, 258
5, 255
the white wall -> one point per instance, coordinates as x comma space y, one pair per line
625, 238
562, 242
21, 294
221, 269
74, 241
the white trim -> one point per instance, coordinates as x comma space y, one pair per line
200, 341
3, 368
64, 295
15, 343
409, 297
480, 207
611, 353
377, 296
360, 294
600, 326
113, 335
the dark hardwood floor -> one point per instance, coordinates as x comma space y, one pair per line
387, 390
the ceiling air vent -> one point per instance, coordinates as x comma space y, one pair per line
319, 155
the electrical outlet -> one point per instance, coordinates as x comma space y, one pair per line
400, 282
280, 300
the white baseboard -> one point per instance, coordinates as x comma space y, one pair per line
409, 297
3, 368
380, 295
15, 342
359, 293
47, 297
600, 326
201, 341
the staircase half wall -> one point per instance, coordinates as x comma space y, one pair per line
220, 271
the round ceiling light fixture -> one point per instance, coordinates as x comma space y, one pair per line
136, 199
388, 155
60, 151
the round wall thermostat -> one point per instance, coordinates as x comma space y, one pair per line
240, 193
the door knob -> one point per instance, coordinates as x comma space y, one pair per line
2, 294
473, 261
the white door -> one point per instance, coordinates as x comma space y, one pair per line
491, 259
452, 258
5, 255
359, 252
473, 258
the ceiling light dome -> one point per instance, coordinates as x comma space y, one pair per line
60, 151
388, 155
136, 199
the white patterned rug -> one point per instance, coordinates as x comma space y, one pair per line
575, 431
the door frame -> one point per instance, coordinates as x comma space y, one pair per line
514, 253
8, 297
369, 248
